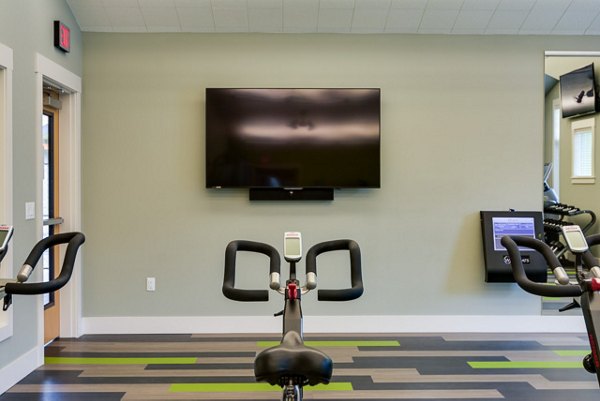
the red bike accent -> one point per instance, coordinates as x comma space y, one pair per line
595, 284
293, 291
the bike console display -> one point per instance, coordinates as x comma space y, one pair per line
495, 225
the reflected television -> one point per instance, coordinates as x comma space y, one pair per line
578, 94
292, 138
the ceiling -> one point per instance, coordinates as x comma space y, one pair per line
471, 17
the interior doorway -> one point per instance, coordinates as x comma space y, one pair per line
51, 203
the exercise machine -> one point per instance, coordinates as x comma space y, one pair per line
586, 286
18, 285
291, 364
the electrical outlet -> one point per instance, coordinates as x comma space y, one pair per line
29, 210
150, 284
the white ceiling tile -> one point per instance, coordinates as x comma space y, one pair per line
196, 19
265, 3
300, 16
91, 16
160, 16
444, 4
409, 4
84, 3
480, 4
507, 21
335, 18
574, 23
229, 3
541, 20
369, 20
336, 4
373, 4
438, 21
156, 3
516, 5
125, 16
129, 28
265, 20
594, 28
404, 20
230, 18
193, 3
584, 5
472, 20
121, 3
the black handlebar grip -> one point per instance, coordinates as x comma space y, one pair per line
74, 241
512, 243
347, 294
237, 294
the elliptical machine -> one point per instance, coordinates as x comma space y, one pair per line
18, 285
587, 285
291, 364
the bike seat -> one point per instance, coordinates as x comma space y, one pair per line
292, 359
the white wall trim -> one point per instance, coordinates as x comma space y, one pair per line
12, 373
70, 179
6, 180
335, 324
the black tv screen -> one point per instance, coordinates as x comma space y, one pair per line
292, 138
578, 92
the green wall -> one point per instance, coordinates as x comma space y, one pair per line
462, 131
26, 27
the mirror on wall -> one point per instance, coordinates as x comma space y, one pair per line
571, 155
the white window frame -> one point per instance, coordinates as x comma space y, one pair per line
577, 127
6, 179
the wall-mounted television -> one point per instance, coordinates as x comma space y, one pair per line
292, 138
578, 92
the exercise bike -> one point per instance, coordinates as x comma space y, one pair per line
291, 364
18, 285
587, 285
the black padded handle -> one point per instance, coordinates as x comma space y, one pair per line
347, 294
512, 243
74, 241
237, 294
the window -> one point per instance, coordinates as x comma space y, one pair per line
582, 171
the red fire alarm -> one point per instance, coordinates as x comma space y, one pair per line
62, 36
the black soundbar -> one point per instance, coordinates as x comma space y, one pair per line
291, 194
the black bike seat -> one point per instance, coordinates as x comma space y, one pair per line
292, 359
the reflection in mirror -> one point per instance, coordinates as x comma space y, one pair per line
571, 192
569, 140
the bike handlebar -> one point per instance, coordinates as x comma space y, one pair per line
244, 295
74, 241
346, 294
512, 243
237, 294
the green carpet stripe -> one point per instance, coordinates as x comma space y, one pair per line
575, 352
248, 387
342, 343
50, 360
525, 365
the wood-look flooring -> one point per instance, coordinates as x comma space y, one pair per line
474, 367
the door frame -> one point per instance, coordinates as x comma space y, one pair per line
69, 183
6, 178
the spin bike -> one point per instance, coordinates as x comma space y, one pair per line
18, 286
291, 364
586, 286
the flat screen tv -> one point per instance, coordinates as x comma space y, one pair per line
292, 138
578, 92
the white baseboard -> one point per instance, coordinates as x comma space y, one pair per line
12, 373
335, 324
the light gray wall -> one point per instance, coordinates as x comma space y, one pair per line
26, 27
462, 131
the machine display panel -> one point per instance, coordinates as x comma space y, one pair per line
502, 226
